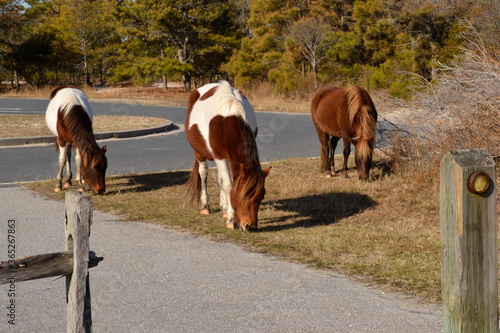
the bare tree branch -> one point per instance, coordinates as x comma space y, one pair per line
311, 36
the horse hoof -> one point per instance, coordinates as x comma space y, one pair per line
83, 181
231, 225
245, 228
67, 185
224, 215
57, 189
205, 211
81, 189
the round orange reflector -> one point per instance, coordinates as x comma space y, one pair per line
478, 182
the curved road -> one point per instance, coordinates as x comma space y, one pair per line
277, 133
158, 280
281, 135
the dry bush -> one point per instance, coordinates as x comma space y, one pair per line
263, 97
461, 110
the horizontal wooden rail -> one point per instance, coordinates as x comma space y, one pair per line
41, 266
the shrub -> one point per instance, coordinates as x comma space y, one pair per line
459, 110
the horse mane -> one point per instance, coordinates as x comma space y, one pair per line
255, 178
77, 122
361, 106
55, 91
226, 102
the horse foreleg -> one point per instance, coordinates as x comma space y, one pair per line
347, 151
203, 172
62, 162
69, 175
78, 162
223, 200
226, 184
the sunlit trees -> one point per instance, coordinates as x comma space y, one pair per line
261, 51
200, 34
297, 44
88, 26
10, 27
311, 37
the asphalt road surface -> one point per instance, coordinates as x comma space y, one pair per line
280, 136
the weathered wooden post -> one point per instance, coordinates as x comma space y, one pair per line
468, 217
78, 221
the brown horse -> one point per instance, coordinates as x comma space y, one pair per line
221, 127
69, 117
348, 114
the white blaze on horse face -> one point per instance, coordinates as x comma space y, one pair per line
65, 98
226, 102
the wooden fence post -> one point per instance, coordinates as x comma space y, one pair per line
469, 247
78, 221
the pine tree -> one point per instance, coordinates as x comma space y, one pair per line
87, 26
202, 34
10, 27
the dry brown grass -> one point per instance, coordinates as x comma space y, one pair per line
384, 231
13, 126
133, 95
262, 97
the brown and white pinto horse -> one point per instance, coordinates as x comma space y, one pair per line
221, 126
69, 117
348, 114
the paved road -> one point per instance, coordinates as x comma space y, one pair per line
280, 136
158, 280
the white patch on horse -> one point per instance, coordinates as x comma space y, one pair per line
226, 102
66, 98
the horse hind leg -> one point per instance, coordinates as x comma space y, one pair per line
325, 154
203, 172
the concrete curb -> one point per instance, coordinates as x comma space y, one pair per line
169, 126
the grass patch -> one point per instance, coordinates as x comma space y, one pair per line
261, 96
14, 126
384, 231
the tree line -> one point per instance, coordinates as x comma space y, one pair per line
294, 44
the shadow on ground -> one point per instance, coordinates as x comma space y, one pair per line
147, 182
314, 210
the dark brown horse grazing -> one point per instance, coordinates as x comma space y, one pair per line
221, 127
69, 117
348, 114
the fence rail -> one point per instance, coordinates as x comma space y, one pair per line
72, 263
